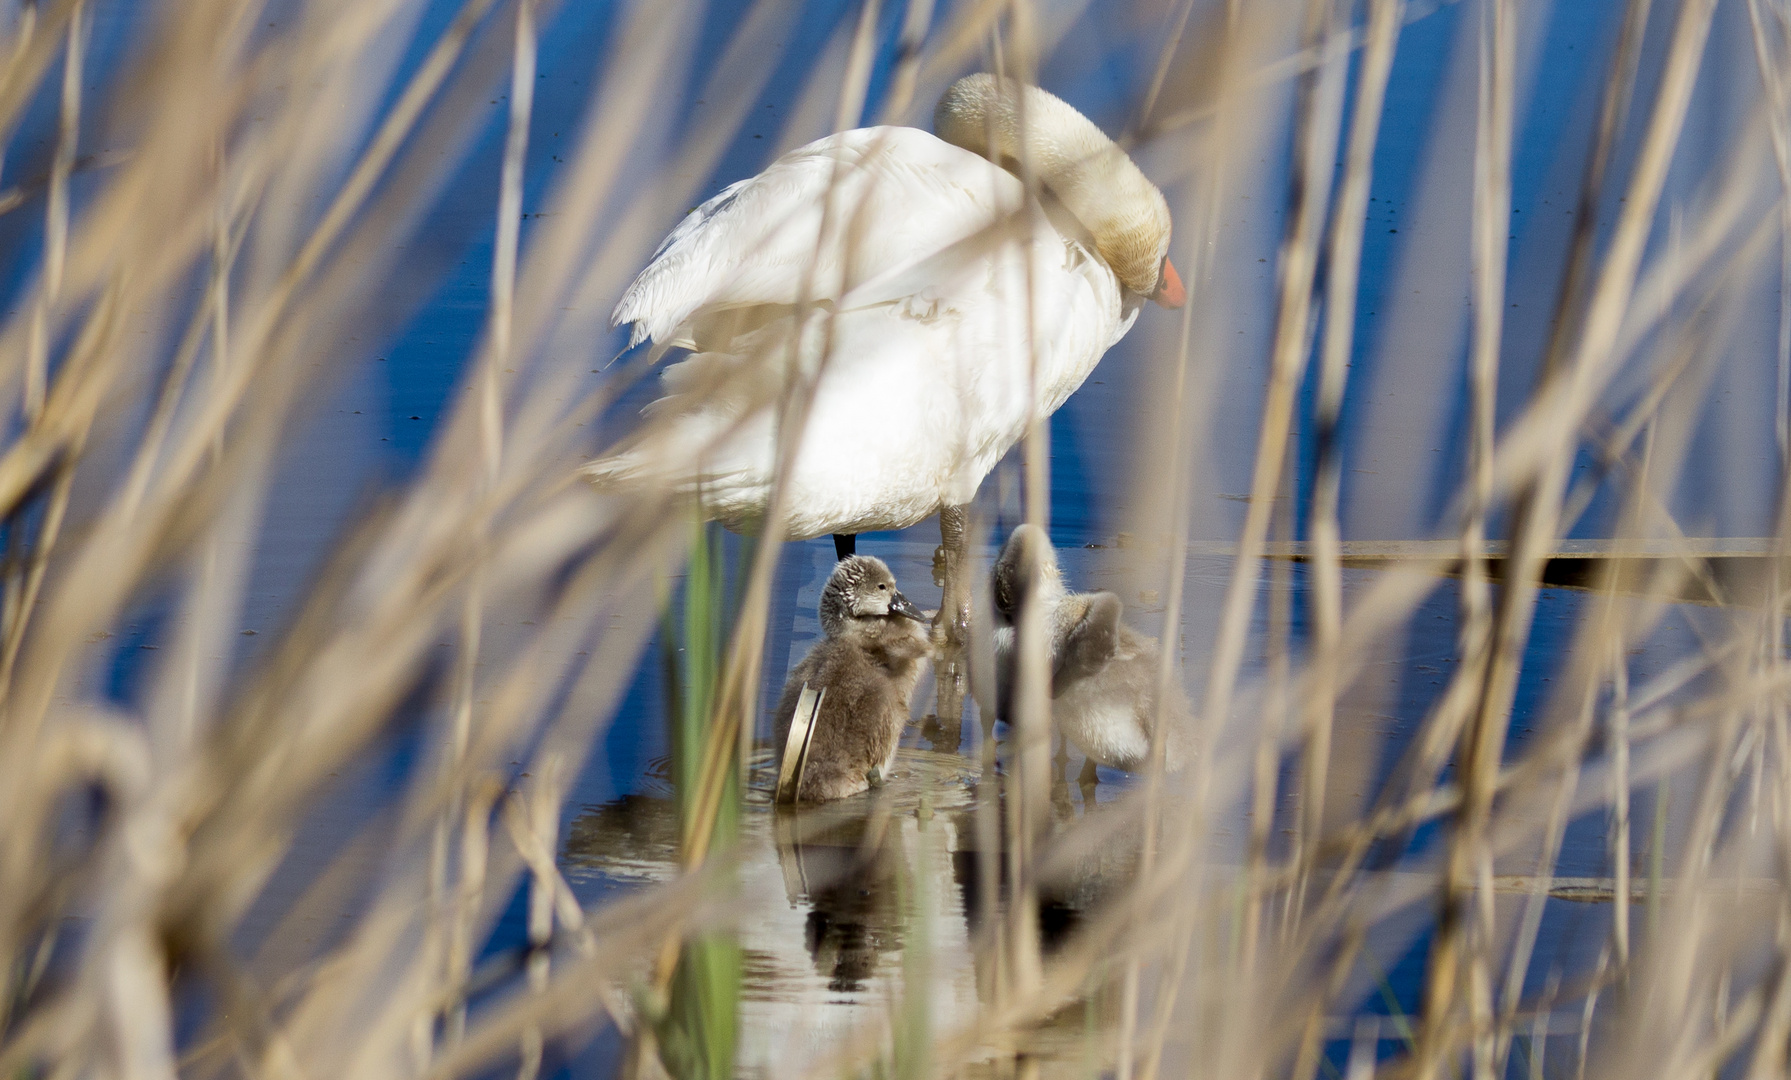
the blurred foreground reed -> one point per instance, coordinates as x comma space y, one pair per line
244, 211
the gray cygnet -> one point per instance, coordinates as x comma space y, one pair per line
1103, 673
875, 649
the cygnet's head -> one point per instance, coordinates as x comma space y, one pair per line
1027, 558
862, 588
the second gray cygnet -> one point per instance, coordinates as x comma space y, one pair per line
875, 649
1103, 673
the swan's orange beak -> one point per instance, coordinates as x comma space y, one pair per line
1169, 287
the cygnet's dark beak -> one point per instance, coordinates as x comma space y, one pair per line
901, 605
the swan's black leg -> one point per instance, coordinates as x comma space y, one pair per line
844, 545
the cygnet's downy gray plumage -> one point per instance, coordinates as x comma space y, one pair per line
875, 650
1103, 673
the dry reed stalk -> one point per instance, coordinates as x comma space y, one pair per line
457, 926
1027, 788
56, 214
1168, 857
1341, 286
1343, 266
33, 49
1167, 676
1172, 42
1317, 121
545, 812
1312, 790
1186, 840
1619, 89
1604, 640
16, 37
1470, 864
1779, 104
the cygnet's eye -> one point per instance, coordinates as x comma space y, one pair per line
884, 586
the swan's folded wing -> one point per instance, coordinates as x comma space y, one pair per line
899, 196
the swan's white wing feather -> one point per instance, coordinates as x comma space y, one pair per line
919, 397
760, 242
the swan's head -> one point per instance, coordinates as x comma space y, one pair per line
1083, 168
1027, 568
862, 588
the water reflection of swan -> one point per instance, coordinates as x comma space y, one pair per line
1103, 673
874, 651
918, 248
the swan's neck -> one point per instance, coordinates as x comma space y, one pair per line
1083, 168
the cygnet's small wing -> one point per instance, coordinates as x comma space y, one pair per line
1090, 642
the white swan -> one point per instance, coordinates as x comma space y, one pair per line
894, 264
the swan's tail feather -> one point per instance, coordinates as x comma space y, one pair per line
652, 465
610, 473
734, 497
644, 465
635, 340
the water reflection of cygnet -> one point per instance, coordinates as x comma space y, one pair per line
829, 898
846, 869
835, 900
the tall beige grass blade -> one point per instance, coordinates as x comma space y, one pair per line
1459, 967
1318, 125
56, 213
1342, 275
